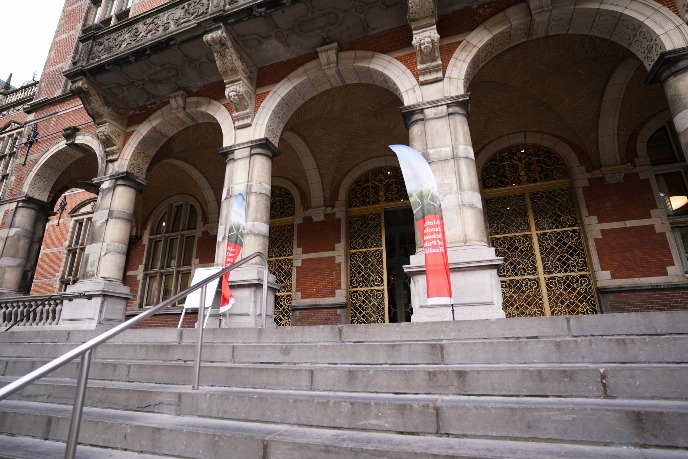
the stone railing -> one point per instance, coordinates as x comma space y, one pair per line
141, 31
28, 311
20, 95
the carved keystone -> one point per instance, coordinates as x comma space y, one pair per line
238, 73
330, 64
109, 115
422, 17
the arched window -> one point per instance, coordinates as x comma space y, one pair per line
170, 252
281, 250
533, 223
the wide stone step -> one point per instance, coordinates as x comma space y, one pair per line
641, 422
12, 447
196, 437
582, 380
654, 323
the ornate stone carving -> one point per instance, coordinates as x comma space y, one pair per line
239, 75
149, 29
109, 115
422, 17
330, 63
427, 44
422, 13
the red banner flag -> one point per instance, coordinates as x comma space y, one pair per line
427, 212
235, 240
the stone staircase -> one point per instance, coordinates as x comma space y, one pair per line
608, 386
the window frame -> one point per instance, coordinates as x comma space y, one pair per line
168, 265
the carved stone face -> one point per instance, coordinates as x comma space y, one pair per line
234, 97
426, 45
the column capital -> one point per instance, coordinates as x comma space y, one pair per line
122, 178
261, 146
668, 64
31, 202
455, 105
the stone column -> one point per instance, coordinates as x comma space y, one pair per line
671, 70
105, 255
19, 251
439, 130
249, 171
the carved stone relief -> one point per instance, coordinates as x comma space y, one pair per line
148, 30
422, 17
108, 114
238, 73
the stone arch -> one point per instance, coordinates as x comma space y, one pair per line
643, 26
356, 172
607, 131
647, 130
310, 80
309, 165
57, 159
150, 135
284, 183
211, 206
542, 139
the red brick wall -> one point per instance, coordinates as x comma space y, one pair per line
631, 199
313, 237
62, 48
318, 277
633, 252
320, 316
51, 259
168, 321
141, 6
647, 300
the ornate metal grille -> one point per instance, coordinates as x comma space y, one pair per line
523, 164
367, 283
281, 264
536, 230
281, 203
383, 185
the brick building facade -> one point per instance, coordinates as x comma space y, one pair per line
557, 133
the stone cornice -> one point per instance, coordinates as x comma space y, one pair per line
257, 146
668, 63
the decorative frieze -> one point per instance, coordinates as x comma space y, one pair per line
238, 73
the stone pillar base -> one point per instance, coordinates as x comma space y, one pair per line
246, 284
106, 306
475, 286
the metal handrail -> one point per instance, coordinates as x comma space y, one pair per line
85, 350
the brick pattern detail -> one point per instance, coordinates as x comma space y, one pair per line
318, 277
62, 48
314, 237
634, 252
51, 259
168, 321
631, 199
205, 248
141, 6
317, 317
648, 300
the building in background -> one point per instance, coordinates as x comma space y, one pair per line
557, 132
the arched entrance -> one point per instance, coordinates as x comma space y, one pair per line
381, 241
533, 223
